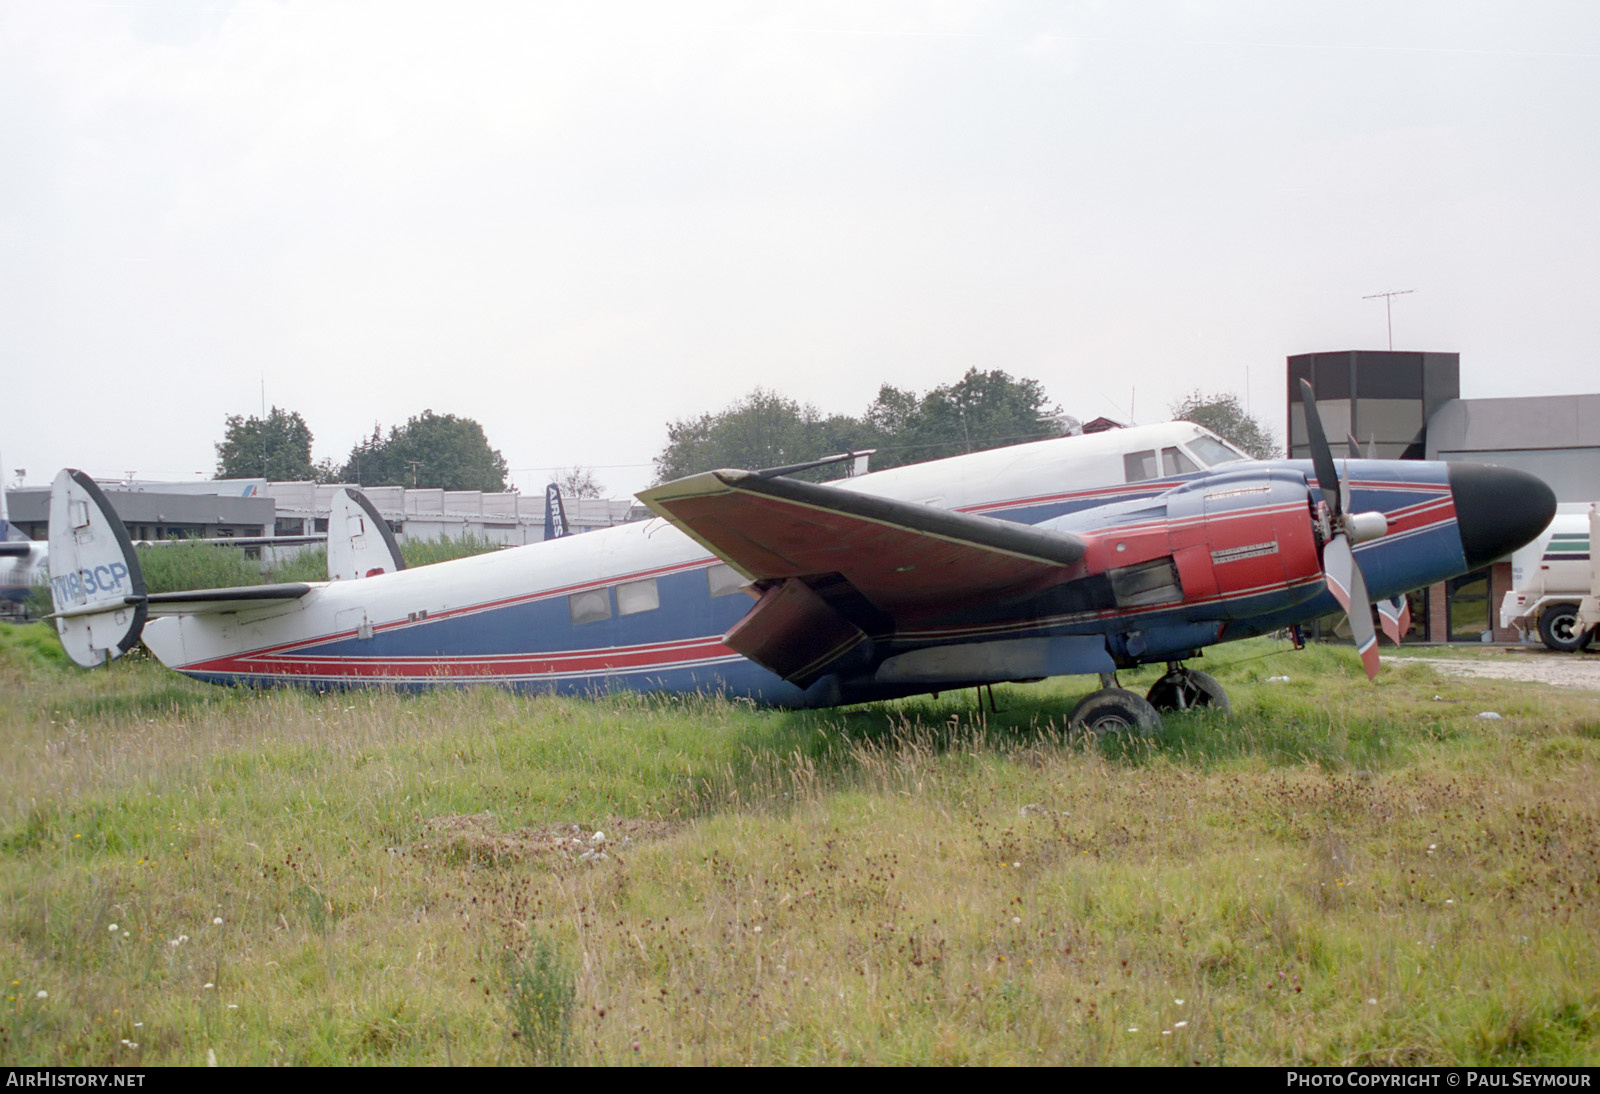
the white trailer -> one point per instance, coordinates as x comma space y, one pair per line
1552, 578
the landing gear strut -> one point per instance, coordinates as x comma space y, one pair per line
1188, 689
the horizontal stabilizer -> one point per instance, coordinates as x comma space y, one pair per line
239, 598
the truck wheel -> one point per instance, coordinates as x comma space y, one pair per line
1558, 629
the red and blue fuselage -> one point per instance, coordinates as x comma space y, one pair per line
1175, 564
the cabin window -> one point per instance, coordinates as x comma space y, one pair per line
724, 580
1140, 465
590, 606
638, 596
1174, 462
1147, 583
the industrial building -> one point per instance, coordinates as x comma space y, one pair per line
256, 507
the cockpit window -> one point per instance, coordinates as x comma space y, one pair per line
1140, 465
1174, 462
1211, 452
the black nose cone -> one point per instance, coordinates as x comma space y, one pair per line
1498, 509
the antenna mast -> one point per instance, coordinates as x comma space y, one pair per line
1388, 304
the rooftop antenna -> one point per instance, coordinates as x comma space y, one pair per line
1388, 304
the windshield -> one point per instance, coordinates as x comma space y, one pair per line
1211, 451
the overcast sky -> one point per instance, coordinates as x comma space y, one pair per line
575, 222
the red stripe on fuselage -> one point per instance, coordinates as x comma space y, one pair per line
660, 655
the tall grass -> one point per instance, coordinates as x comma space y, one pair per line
185, 564
1340, 874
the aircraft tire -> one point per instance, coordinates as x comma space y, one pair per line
1557, 629
1115, 711
1189, 689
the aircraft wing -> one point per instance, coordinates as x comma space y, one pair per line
833, 564
897, 554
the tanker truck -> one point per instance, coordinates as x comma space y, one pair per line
1554, 584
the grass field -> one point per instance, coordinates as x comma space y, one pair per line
1341, 873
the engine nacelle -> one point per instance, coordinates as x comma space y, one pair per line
1245, 542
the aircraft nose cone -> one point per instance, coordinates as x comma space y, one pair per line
1498, 509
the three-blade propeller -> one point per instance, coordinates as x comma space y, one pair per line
1347, 529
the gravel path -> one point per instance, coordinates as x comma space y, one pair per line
1566, 670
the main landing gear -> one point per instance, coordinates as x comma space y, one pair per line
1114, 709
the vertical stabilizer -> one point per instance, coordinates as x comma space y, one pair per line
360, 543
555, 514
95, 584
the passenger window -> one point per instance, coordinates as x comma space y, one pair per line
638, 596
1140, 465
1174, 462
590, 606
724, 580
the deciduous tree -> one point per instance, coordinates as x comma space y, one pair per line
277, 447
1224, 416
764, 429
430, 450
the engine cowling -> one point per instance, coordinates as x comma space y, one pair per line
1235, 542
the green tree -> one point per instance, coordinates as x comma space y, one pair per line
277, 447
982, 410
763, 429
579, 482
1224, 416
432, 450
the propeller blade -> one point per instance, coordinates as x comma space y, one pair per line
1321, 454
1395, 615
1337, 566
1349, 588
1353, 445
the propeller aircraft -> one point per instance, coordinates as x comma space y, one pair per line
1072, 556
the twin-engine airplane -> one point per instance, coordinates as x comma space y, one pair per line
1073, 556
23, 565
